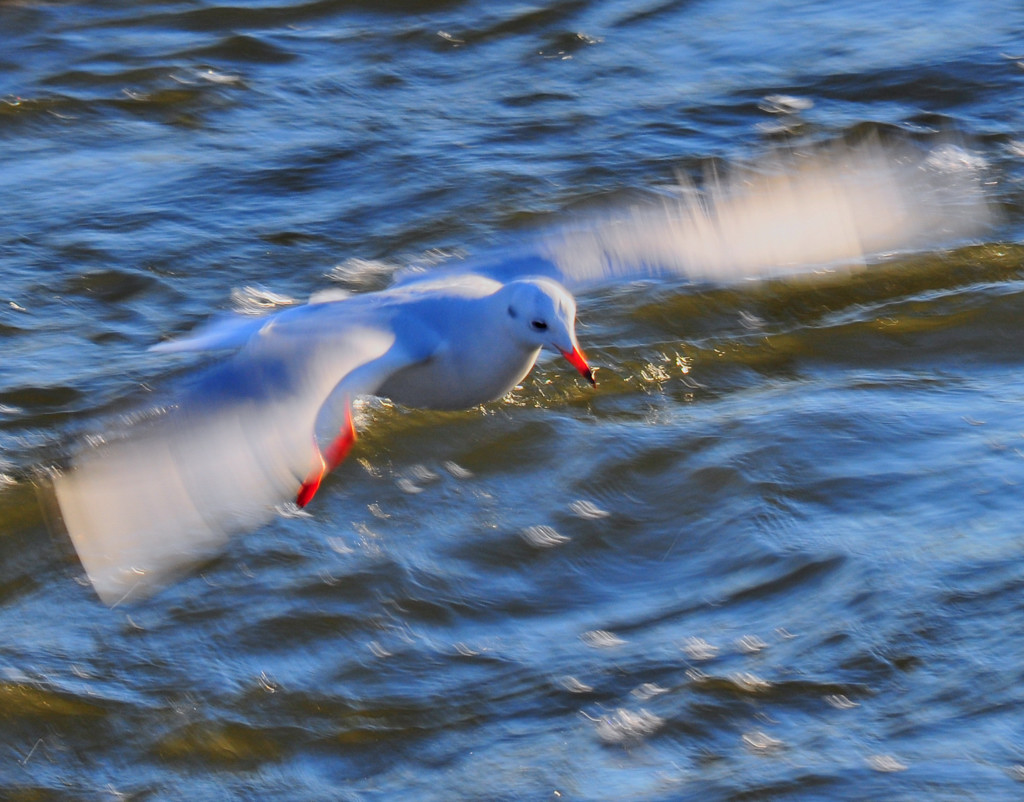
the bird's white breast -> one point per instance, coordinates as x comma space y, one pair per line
471, 358
456, 381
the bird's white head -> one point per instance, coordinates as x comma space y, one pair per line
541, 313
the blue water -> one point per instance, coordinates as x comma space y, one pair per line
777, 554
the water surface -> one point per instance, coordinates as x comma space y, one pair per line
777, 554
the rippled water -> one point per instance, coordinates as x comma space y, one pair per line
777, 554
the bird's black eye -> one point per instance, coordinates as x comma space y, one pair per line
511, 311
538, 325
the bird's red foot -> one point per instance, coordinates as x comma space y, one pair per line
311, 485
328, 461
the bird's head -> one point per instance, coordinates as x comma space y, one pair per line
541, 313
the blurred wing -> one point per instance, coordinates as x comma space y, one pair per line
793, 213
234, 447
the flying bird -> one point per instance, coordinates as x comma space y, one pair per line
272, 415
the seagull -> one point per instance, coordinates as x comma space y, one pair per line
248, 433
258, 429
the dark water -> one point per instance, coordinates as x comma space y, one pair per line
779, 554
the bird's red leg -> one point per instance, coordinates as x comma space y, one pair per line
329, 460
338, 450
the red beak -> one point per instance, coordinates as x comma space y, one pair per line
578, 361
